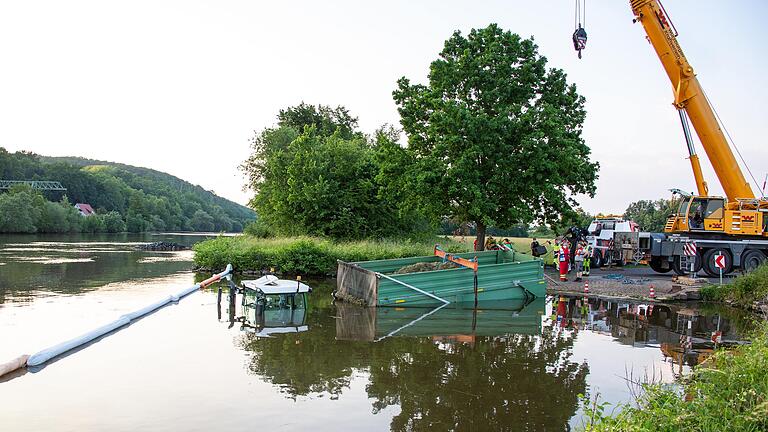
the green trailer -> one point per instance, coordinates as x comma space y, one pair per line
482, 278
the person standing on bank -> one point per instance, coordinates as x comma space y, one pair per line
555, 254
578, 260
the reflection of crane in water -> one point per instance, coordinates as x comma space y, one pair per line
685, 336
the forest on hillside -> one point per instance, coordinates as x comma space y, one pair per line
125, 197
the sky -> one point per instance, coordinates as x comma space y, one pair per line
181, 86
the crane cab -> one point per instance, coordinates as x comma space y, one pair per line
712, 214
697, 214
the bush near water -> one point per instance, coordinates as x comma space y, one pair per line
729, 392
304, 255
744, 291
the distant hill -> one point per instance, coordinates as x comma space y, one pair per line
147, 199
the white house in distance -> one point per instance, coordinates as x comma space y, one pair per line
84, 209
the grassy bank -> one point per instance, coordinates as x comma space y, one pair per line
304, 255
748, 291
727, 393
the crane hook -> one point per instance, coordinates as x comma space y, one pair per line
580, 35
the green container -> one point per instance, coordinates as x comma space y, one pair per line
501, 275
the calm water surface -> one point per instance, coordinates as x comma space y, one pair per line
198, 365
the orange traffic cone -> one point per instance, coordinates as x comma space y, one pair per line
586, 287
653, 292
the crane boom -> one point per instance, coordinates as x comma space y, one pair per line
690, 97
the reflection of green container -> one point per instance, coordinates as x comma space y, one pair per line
511, 317
501, 275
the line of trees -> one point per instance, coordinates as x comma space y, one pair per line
24, 210
652, 215
145, 200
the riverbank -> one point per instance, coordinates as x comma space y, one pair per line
729, 392
304, 255
628, 282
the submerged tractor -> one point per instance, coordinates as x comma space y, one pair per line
734, 226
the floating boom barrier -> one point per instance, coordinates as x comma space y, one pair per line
47, 354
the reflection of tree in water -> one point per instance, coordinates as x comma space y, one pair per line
514, 382
304, 363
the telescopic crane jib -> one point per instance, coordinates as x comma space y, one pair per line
724, 234
741, 214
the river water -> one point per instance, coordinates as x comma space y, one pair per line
195, 365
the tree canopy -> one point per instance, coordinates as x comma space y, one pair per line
495, 136
315, 173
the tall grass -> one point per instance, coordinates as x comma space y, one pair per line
728, 393
744, 291
304, 255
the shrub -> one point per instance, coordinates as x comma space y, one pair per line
113, 222
93, 223
744, 290
259, 228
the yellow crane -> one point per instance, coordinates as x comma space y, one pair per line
735, 225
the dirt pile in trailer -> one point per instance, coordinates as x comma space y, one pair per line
424, 267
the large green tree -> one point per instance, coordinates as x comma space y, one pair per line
495, 136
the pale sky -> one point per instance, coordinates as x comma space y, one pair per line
180, 86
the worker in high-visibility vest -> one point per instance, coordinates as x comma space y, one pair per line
555, 253
587, 259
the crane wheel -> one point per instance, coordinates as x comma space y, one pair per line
709, 262
656, 265
752, 260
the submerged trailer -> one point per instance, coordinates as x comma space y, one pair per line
480, 278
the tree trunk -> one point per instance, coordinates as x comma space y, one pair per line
480, 239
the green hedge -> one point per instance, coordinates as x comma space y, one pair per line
304, 255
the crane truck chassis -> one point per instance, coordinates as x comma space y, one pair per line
664, 252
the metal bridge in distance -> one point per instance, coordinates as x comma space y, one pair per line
43, 185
